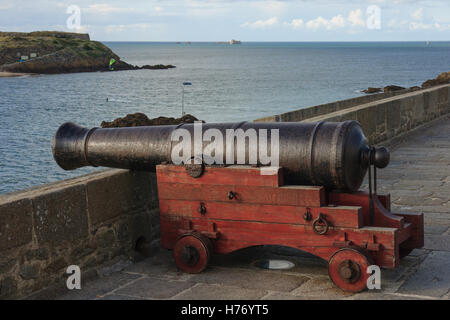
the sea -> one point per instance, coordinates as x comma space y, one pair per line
229, 83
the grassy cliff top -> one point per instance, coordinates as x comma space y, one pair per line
15, 45
58, 52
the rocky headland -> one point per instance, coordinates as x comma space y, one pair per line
443, 78
53, 52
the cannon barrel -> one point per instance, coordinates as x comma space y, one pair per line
331, 154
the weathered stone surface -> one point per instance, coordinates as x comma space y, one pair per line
432, 278
37, 254
15, 223
60, 215
319, 288
6, 264
281, 296
373, 295
118, 297
57, 265
105, 239
8, 287
161, 266
140, 227
83, 250
437, 242
250, 279
435, 229
29, 271
109, 196
119, 192
155, 288
98, 288
203, 291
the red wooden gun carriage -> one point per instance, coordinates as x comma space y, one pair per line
230, 208
310, 202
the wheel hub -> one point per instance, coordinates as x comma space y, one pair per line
190, 255
349, 271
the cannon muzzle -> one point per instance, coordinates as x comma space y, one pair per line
331, 154
69, 146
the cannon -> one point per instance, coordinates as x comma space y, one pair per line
236, 185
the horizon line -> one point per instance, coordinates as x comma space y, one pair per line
274, 41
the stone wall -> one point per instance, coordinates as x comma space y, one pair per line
391, 117
383, 116
324, 109
92, 221
96, 220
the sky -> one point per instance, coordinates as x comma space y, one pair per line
246, 20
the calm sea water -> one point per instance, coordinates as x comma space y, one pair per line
230, 83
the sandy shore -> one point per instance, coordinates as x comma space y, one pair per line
13, 74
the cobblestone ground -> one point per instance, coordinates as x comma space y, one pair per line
418, 179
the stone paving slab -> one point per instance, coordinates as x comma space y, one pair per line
437, 242
154, 288
418, 180
247, 279
98, 288
220, 292
432, 277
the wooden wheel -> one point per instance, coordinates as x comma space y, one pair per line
192, 252
347, 268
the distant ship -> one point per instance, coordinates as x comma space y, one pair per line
232, 41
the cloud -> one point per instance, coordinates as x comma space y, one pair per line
261, 24
320, 22
295, 23
103, 8
113, 28
417, 15
415, 26
356, 19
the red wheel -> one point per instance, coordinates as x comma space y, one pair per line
192, 252
347, 268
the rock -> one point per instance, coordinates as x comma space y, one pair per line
443, 78
37, 254
140, 119
7, 264
8, 287
157, 67
57, 265
372, 90
392, 88
29, 271
106, 239
415, 88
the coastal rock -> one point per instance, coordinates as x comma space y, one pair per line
372, 90
443, 78
52, 52
392, 88
157, 67
140, 119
